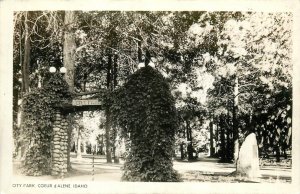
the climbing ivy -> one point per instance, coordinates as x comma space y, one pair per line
144, 108
39, 112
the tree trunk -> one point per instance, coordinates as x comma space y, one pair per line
217, 148
108, 112
69, 48
229, 150
222, 139
211, 140
26, 60
117, 152
107, 135
25, 65
140, 52
17, 93
189, 138
250, 124
284, 152
102, 149
15, 107
115, 71
234, 119
96, 149
79, 144
16, 129
228, 145
147, 54
84, 147
184, 147
277, 149
147, 58
181, 151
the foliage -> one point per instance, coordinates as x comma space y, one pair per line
39, 112
145, 110
254, 58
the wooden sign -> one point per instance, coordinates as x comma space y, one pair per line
90, 102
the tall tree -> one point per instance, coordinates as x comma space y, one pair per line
26, 60
69, 48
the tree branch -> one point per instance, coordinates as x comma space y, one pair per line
85, 45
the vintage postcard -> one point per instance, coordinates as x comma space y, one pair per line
149, 96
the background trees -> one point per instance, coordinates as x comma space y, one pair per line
249, 59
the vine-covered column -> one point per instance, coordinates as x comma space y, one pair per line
145, 110
45, 129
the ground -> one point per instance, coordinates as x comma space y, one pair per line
204, 169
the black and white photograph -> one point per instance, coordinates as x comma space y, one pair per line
162, 96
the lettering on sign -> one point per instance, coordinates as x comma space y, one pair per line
85, 102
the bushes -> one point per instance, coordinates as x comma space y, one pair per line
145, 110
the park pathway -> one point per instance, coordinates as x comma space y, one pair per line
190, 171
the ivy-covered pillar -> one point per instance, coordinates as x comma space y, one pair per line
44, 127
59, 145
145, 110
